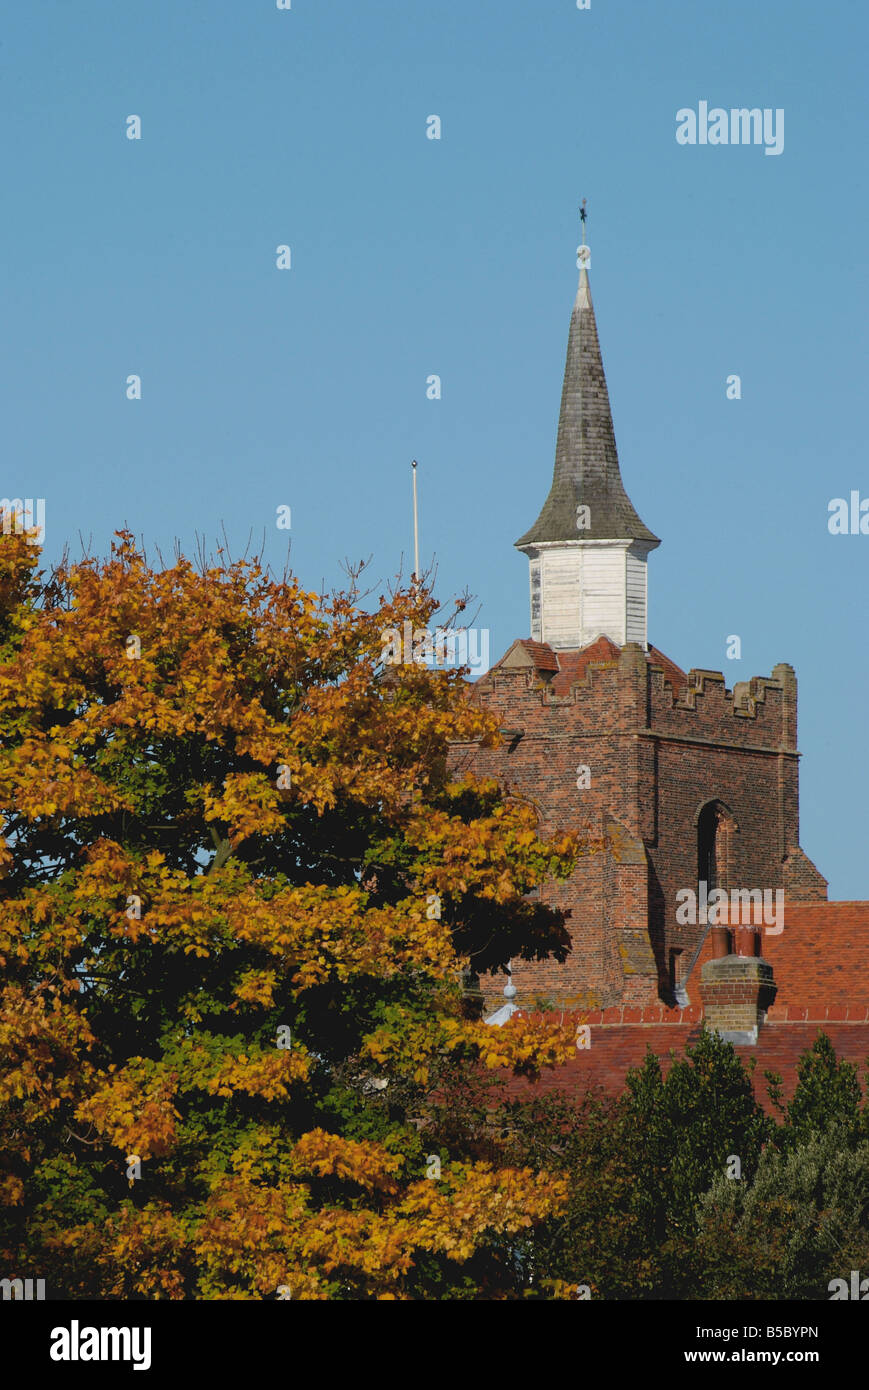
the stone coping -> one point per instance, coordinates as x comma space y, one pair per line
618, 1016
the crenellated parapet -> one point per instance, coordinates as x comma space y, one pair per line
757, 713
626, 689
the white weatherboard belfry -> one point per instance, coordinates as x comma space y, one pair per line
588, 549
581, 590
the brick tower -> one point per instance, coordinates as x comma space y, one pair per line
671, 779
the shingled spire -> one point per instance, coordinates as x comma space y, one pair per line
588, 547
586, 462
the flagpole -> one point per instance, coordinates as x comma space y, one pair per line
415, 529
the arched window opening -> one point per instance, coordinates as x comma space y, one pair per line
711, 845
678, 961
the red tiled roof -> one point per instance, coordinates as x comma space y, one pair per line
820, 960
572, 666
675, 675
821, 968
619, 1044
821, 956
541, 654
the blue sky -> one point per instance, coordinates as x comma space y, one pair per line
307, 388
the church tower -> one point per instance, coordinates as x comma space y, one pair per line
588, 548
674, 784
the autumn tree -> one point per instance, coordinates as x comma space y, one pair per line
238, 891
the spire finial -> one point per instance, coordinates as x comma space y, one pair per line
583, 253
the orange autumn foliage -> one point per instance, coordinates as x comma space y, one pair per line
222, 821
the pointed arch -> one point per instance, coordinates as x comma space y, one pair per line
716, 825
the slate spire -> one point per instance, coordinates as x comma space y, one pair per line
586, 462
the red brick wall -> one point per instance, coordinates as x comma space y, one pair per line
802, 881
594, 726
657, 755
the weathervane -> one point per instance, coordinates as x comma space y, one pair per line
583, 252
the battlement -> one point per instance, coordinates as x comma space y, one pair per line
760, 713
607, 689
